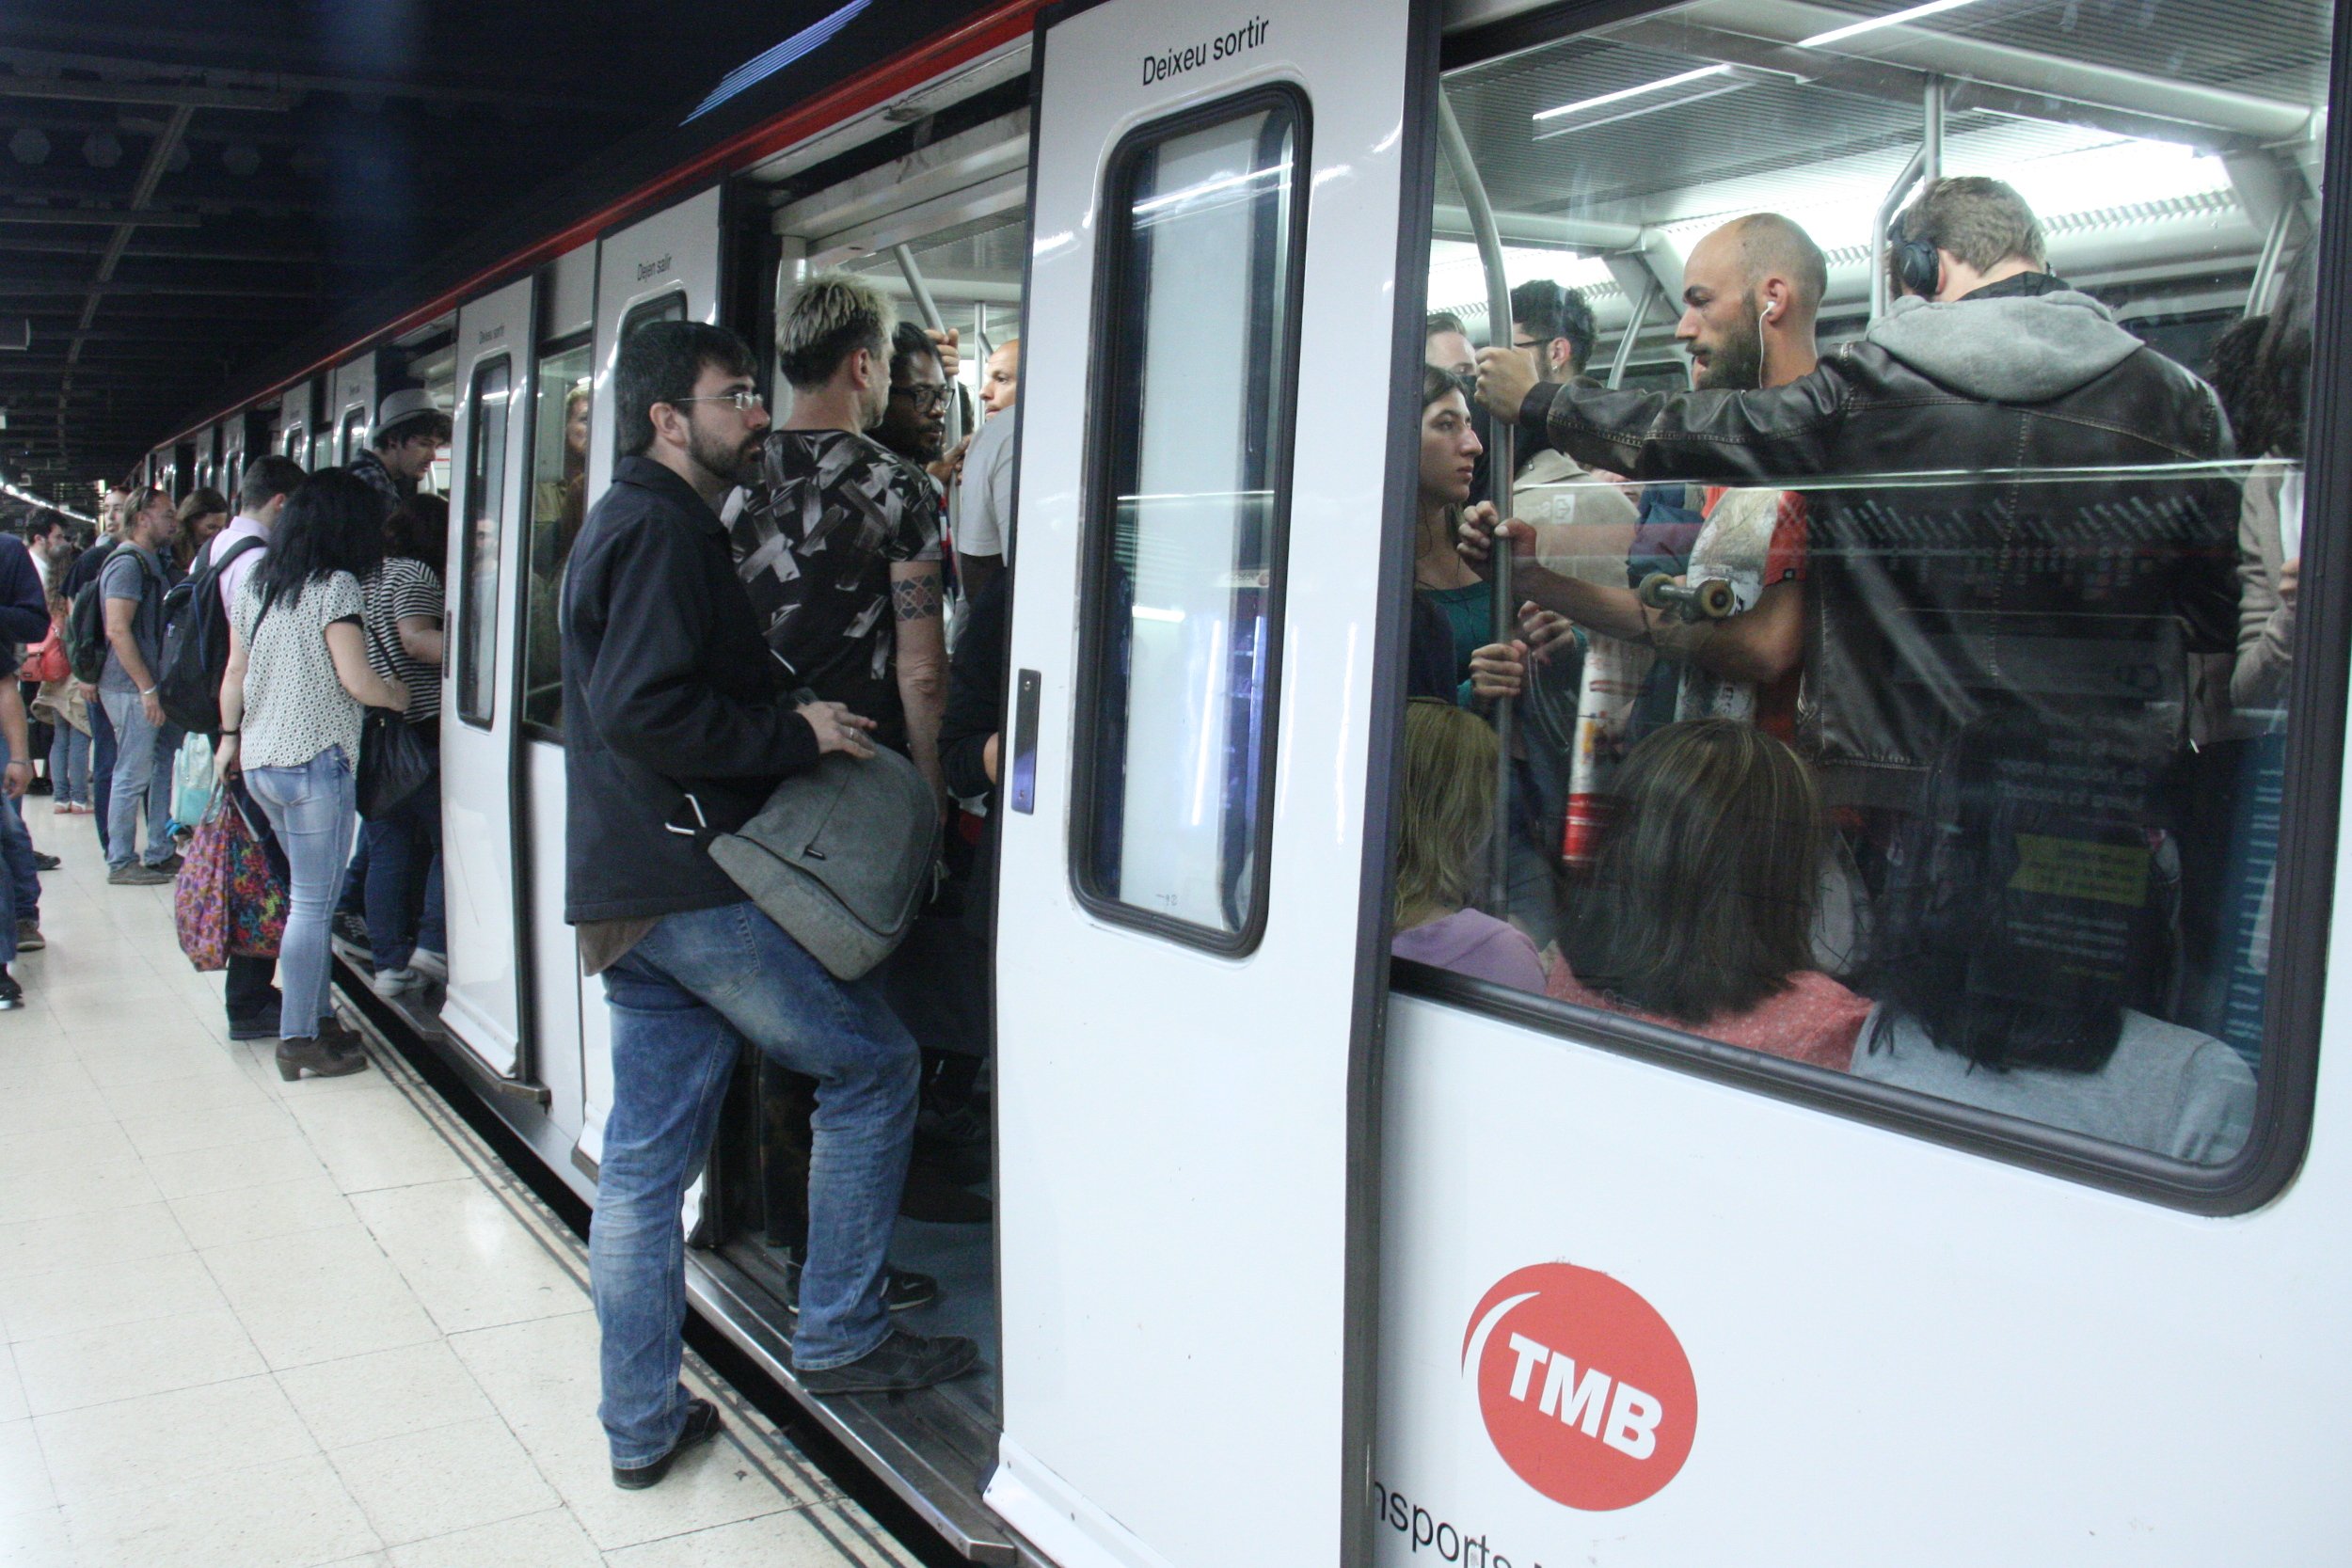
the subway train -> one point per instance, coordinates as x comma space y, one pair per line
1298, 1255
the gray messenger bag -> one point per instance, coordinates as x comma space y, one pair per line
841, 857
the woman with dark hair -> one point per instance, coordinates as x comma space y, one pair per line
291, 703
1453, 606
1700, 910
402, 622
2026, 915
204, 512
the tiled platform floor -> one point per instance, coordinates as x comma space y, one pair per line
257, 1324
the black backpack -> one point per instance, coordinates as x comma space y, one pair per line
86, 624
195, 646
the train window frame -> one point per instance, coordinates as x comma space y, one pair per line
465, 672
2319, 687
1115, 329
571, 342
353, 431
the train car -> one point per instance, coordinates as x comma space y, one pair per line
1296, 1254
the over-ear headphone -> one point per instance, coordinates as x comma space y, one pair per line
1918, 268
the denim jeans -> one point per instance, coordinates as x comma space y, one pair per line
311, 811
102, 771
683, 1002
403, 847
142, 775
21, 875
69, 767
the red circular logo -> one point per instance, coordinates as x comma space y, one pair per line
1586, 1392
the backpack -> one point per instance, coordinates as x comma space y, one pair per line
195, 646
86, 634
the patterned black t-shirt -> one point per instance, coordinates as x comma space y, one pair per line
813, 545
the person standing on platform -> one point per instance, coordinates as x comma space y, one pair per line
678, 720
131, 584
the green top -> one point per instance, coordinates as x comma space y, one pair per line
1469, 611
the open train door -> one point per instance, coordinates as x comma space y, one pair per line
488, 446
1206, 652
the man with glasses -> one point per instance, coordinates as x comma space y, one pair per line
676, 719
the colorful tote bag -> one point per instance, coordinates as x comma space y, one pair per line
228, 898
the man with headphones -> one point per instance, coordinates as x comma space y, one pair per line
1997, 520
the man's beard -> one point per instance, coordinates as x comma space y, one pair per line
1737, 365
737, 465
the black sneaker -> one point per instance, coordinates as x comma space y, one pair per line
11, 994
903, 1289
702, 1425
900, 1363
260, 1026
352, 931
28, 937
169, 864
47, 862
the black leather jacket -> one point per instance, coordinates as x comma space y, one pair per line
2013, 504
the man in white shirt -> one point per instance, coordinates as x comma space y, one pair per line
984, 508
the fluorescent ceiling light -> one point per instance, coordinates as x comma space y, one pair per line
759, 68
1581, 104
1871, 24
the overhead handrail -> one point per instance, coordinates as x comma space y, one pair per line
1501, 467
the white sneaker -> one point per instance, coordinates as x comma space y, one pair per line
432, 965
395, 982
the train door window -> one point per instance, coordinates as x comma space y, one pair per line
1185, 519
479, 545
668, 307
558, 487
1917, 766
354, 435
295, 442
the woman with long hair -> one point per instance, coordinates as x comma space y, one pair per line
402, 622
1700, 910
290, 702
204, 512
1453, 606
1448, 819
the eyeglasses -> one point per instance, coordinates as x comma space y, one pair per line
926, 398
744, 400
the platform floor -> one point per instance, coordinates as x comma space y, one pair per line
257, 1324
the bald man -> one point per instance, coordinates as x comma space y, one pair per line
1752, 291
984, 500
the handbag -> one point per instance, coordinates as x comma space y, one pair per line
229, 897
46, 661
395, 761
842, 856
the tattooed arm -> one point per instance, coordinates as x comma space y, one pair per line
922, 661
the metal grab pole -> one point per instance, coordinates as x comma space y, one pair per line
928, 308
1501, 467
1624, 356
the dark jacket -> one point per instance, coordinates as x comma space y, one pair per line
667, 687
24, 611
2023, 510
89, 564
976, 693
389, 490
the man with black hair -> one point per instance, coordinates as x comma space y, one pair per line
132, 587
1555, 326
678, 723
411, 433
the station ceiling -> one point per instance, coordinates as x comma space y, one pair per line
187, 189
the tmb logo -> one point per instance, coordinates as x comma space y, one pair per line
1586, 1392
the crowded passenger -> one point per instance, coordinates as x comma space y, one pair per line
2267, 417
411, 433
13, 779
2027, 917
561, 501
292, 700
984, 499
407, 936
204, 512
1988, 371
1699, 912
63, 703
113, 512
1446, 820
1453, 614
679, 722
251, 999
51, 542
131, 586
1447, 347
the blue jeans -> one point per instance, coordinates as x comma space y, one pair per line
141, 777
69, 767
102, 771
402, 846
311, 809
683, 1002
23, 877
